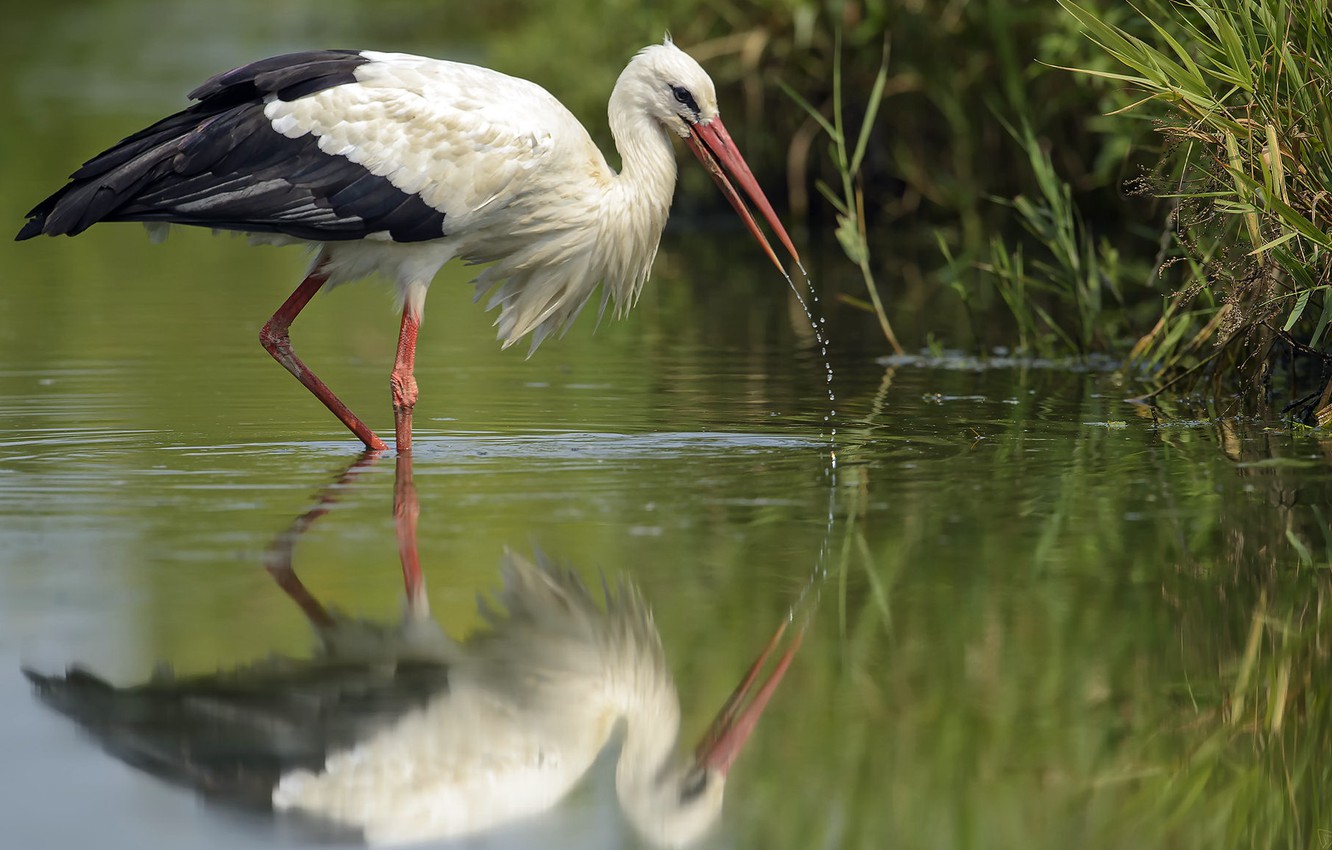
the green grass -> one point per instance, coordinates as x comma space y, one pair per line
849, 198
1243, 91
1057, 281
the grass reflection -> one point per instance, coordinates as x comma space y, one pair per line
1073, 683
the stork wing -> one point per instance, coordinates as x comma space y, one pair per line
461, 137
232, 735
324, 145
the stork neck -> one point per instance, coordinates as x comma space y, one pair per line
647, 160
649, 781
638, 688
633, 210
651, 736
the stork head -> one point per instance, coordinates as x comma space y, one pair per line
675, 801
678, 808
675, 91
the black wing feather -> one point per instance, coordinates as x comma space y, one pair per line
220, 164
255, 78
232, 736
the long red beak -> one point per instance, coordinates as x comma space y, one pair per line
713, 146
721, 744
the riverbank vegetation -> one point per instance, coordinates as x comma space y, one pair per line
1151, 182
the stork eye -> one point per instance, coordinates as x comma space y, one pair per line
694, 785
686, 99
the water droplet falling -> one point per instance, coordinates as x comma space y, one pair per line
819, 325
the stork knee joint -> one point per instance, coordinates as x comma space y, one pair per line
404, 391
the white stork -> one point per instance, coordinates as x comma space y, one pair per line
395, 164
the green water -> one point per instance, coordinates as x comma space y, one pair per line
1037, 615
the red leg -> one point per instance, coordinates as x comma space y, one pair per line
406, 508
403, 381
276, 340
295, 589
278, 560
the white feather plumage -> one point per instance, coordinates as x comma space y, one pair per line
520, 181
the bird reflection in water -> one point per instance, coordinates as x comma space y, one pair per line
400, 733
